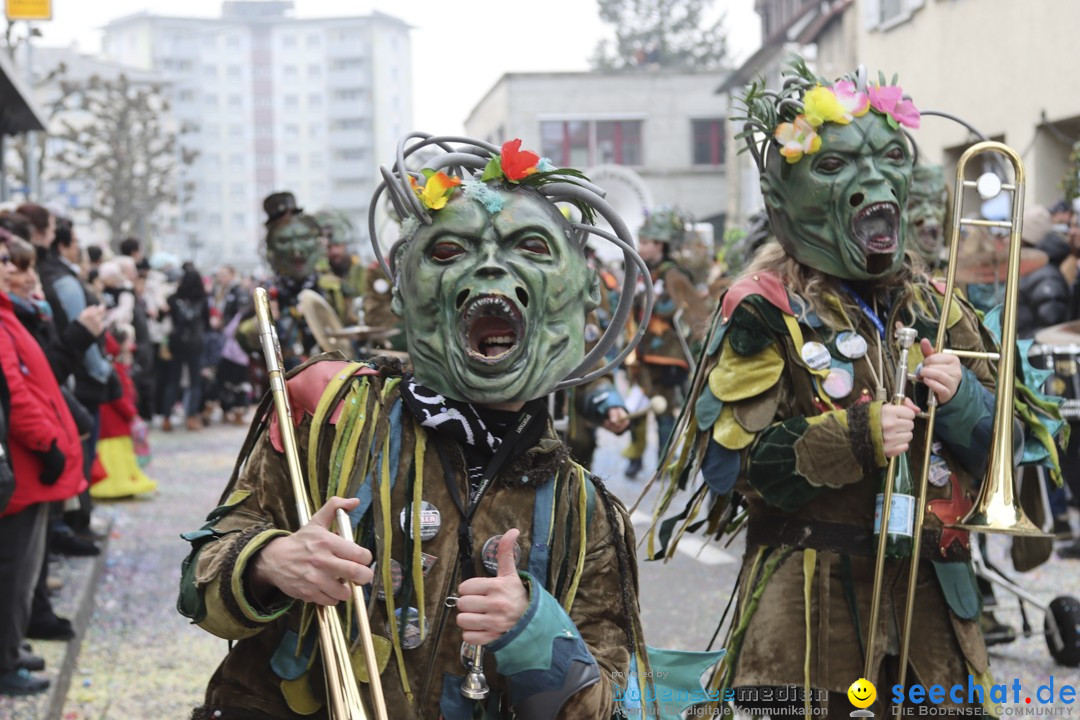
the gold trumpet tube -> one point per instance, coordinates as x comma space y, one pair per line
344, 694
905, 336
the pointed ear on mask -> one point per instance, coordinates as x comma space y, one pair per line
593, 301
769, 190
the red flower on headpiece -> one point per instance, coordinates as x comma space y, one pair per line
517, 163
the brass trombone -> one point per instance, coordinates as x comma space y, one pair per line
997, 509
344, 701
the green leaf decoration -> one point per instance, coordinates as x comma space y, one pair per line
427, 173
493, 170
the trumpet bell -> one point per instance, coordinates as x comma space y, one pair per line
998, 510
475, 686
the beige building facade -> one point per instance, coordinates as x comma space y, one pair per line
668, 128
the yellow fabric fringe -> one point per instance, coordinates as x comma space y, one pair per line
583, 496
809, 565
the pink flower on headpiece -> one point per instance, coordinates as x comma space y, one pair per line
889, 101
796, 139
856, 104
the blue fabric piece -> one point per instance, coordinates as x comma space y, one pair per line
957, 581
601, 400
676, 683
805, 316
536, 653
720, 468
965, 424
564, 650
365, 489
285, 663
540, 552
718, 337
452, 704
707, 409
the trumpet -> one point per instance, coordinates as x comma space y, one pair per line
344, 693
997, 509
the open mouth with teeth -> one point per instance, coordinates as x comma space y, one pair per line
877, 228
493, 328
929, 234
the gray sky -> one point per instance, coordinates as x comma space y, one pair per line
460, 47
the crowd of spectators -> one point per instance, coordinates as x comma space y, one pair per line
96, 347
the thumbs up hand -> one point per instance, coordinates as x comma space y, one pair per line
488, 607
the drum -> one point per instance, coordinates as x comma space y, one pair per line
1064, 362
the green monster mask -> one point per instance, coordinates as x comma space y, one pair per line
926, 209
838, 210
293, 245
494, 302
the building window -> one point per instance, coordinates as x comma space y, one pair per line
292, 132
236, 132
316, 160
288, 41
236, 191
233, 72
292, 102
580, 143
618, 142
346, 64
232, 41
210, 71
349, 154
238, 220
236, 102
349, 124
348, 94
289, 71
236, 161
351, 183
314, 100
884, 14
314, 40
292, 160
314, 70
708, 141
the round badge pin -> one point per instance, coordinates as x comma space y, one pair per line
430, 520
396, 574
838, 383
851, 345
816, 356
413, 634
490, 557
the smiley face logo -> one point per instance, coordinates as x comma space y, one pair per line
862, 693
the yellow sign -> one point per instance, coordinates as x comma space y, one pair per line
29, 9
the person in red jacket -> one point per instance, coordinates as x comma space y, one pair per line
115, 447
46, 456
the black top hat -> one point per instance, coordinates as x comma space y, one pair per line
278, 205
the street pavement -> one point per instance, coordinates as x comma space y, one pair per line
140, 659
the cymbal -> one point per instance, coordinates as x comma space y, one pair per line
365, 332
989, 266
1064, 334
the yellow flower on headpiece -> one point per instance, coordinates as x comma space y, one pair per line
437, 189
797, 139
821, 105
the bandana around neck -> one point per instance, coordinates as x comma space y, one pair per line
478, 430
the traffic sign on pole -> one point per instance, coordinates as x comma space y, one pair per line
29, 9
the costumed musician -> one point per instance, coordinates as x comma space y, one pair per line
456, 485
662, 366
791, 423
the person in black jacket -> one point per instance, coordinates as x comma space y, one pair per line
190, 312
1044, 294
95, 382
